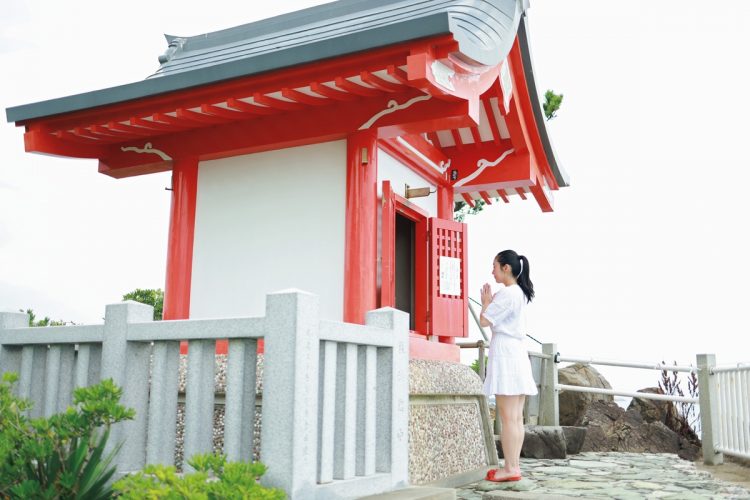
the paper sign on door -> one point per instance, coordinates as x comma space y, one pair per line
450, 276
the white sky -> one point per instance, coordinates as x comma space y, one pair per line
644, 259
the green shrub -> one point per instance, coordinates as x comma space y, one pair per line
214, 478
61, 456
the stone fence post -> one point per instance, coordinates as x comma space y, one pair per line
10, 359
290, 407
708, 393
549, 406
127, 364
396, 366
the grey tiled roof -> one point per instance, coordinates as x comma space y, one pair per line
484, 29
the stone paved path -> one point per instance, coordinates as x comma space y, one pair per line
608, 475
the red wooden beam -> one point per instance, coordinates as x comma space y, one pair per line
276, 103
468, 199
69, 136
82, 132
302, 98
100, 130
246, 107
200, 118
316, 124
521, 192
211, 109
37, 141
151, 125
475, 135
398, 73
380, 83
459, 144
502, 195
175, 122
492, 121
331, 93
485, 197
129, 129
356, 89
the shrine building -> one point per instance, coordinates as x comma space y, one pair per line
324, 150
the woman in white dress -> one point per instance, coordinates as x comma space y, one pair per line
509, 378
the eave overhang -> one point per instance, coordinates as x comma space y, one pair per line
475, 127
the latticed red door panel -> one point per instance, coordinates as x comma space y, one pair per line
448, 275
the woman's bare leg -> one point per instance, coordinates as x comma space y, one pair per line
521, 431
510, 439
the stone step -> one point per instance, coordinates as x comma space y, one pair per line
416, 492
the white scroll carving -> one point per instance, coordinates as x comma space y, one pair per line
481, 165
147, 148
392, 107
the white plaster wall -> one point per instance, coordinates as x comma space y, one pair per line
266, 222
390, 169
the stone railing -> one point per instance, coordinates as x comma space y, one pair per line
335, 405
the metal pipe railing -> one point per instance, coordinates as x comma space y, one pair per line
625, 364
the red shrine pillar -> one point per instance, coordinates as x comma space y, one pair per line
445, 211
360, 254
180, 245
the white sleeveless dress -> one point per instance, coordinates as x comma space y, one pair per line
508, 367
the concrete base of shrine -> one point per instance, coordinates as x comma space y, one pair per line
450, 431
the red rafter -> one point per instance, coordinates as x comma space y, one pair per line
491, 120
521, 192
485, 197
171, 120
246, 107
82, 132
398, 73
100, 130
457, 139
354, 88
192, 116
276, 103
150, 125
211, 109
502, 195
331, 93
380, 83
119, 127
434, 138
301, 97
68, 136
475, 135
468, 199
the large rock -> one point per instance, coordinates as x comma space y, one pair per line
574, 437
541, 441
666, 413
610, 428
573, 404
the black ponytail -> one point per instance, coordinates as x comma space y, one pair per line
519, 266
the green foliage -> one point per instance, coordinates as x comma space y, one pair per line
154, 298
214, 478
461, 209
61, 456
551, 104
475, 364
44, 321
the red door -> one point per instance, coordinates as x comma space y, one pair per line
448, 307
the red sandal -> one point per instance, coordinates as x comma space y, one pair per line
492, 476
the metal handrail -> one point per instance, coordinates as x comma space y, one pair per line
645, 366
612, 392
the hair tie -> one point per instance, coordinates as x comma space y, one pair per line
519, 272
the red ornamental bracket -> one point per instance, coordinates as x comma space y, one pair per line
451, 78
